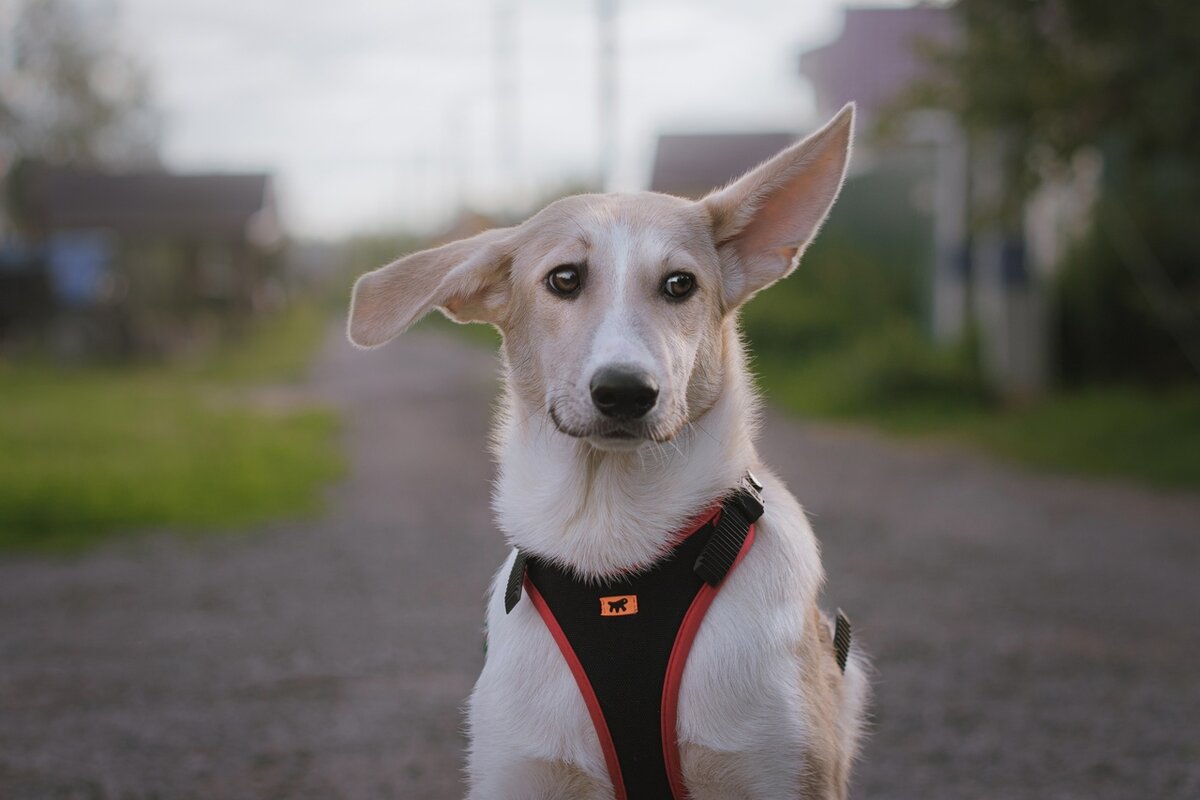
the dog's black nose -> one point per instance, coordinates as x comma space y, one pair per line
623, 393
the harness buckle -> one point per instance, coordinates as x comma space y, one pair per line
741, 509
749, 500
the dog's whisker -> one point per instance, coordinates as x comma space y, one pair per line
700, 427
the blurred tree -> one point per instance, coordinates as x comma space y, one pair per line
68, 93
1053, 78
1062, 75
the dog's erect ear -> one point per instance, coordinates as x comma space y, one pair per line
468, 280
763, 221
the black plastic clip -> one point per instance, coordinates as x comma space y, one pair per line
516, 579
841, 640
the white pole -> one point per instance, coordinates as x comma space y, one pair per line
609, 130
508, 117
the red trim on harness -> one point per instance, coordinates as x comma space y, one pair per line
675, 666
585, 688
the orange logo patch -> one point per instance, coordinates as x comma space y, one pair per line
621, 605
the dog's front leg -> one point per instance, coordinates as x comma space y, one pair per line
713, 775
540, 780
530, 728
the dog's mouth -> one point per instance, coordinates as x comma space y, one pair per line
618, 434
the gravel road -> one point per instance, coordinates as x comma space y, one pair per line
1034, 636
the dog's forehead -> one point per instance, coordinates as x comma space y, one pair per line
652, 224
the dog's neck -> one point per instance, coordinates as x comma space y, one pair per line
603, 512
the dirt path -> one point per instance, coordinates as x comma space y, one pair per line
1035, 638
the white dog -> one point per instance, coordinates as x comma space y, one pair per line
628, 416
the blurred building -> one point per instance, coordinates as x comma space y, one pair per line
693, 164
128, 263
877, 57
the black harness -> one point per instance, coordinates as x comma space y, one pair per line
627, 638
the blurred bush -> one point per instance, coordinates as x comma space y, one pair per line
1127, 296
844, 338
844, 334
1056, 79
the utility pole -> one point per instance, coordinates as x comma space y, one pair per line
506, 68
9, 10
606, 19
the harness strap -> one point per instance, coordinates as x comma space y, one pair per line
739, 511
626, 639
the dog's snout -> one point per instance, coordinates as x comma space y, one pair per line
623, 393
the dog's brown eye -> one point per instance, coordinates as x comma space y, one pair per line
564, 281
678, 285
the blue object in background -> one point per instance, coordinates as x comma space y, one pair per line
78, 262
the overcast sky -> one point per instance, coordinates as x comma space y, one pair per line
378, 114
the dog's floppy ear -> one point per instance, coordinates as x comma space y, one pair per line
763, 221
468, 280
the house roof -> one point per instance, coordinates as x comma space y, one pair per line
149, 202
692, 164
875, 59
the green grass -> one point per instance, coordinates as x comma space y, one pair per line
275, 349
1117, 432
1120, 432
88, 453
